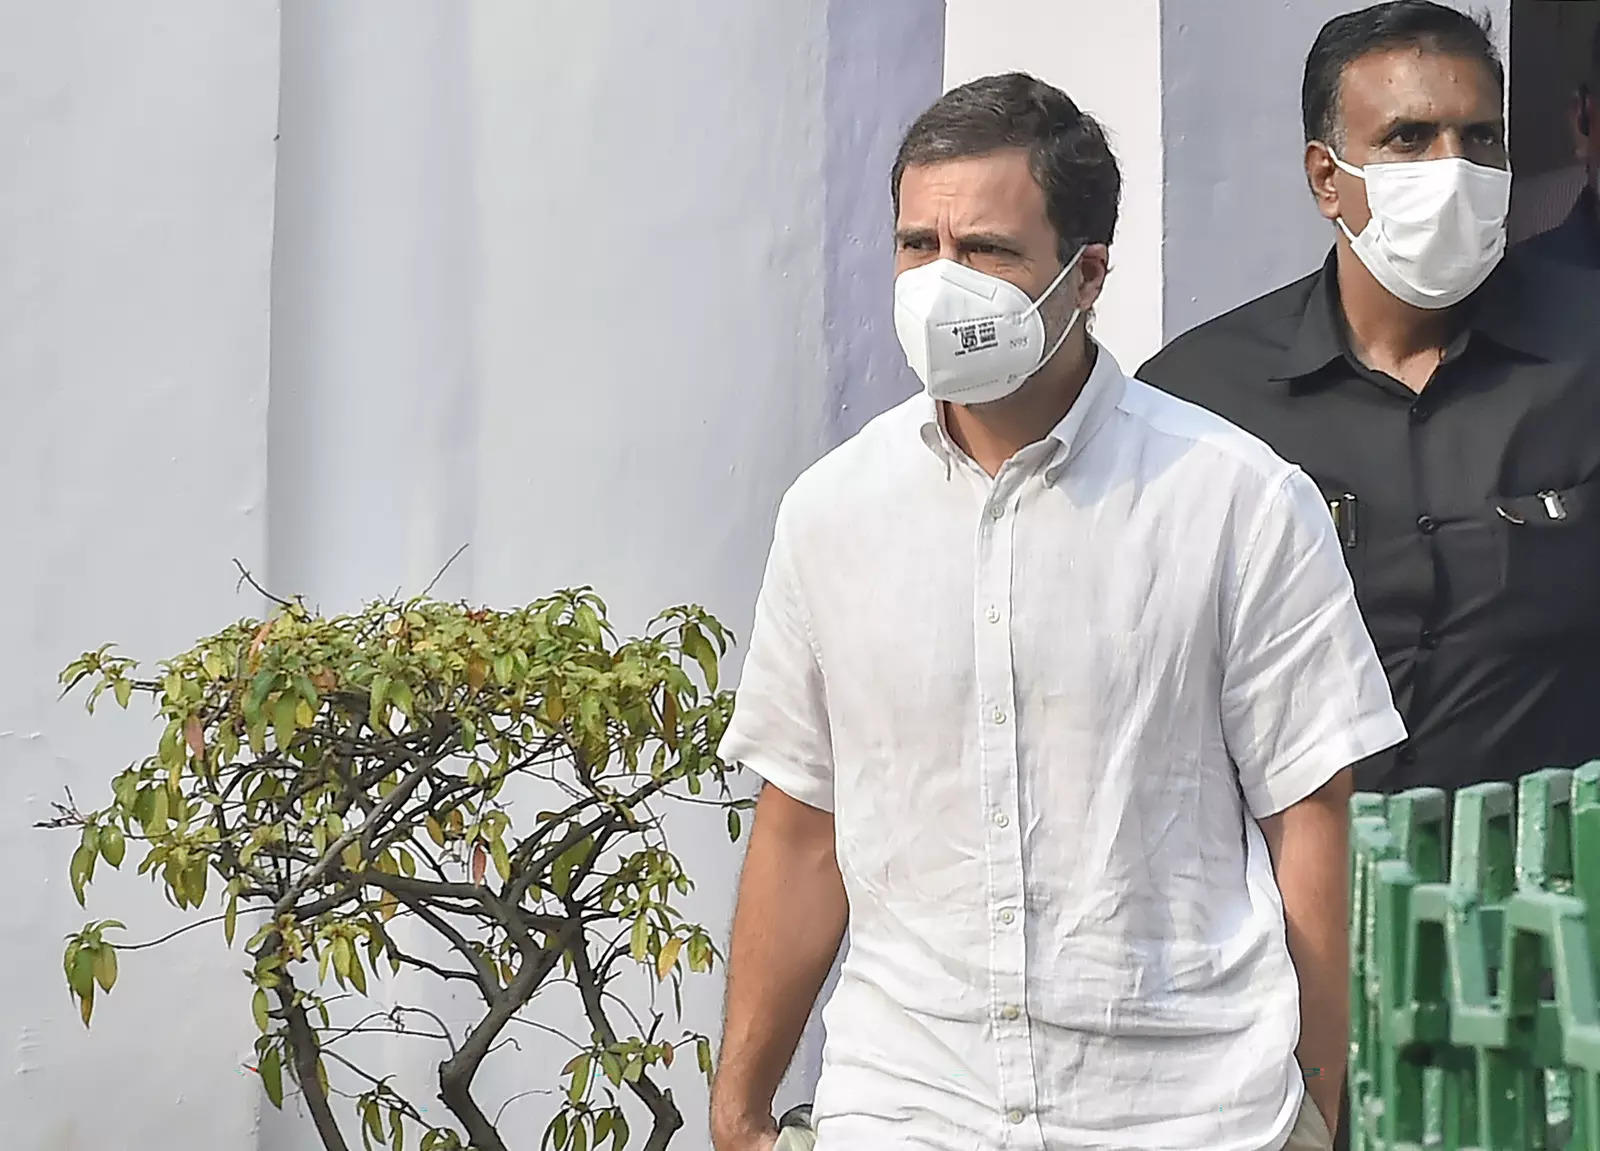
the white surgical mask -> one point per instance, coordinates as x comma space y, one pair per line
972, 338
1438, 227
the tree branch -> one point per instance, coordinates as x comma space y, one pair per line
456, 1074
668, 1119
304, 1050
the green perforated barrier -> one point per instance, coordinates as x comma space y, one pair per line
1474, 939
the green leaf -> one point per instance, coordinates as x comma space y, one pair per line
260, 687
397, 1129
668, 959
105, 966
81, 977
702, 1050
113, 845
502, 859
284, 721
230, 919
638, 942
272, 1077
79, 872
579, 1068
733, 826
259, 1008
124, 692
698, 647
580, 1137
374, 1119
378, 697
194, 883
619, 1131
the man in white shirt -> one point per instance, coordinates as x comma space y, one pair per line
1054, 684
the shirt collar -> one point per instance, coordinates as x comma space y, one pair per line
1504, 309
1101, 393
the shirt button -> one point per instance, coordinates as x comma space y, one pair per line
993, 615
1008, 916
1428, 639
1420, 414
999, 716
1405, 756
1001, 819
1010, 1012
998, 512
1015, 1116
1427, 525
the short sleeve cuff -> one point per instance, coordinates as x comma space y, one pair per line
795, 784
1288, 783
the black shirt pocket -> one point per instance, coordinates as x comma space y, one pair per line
1550, 558
1345, 508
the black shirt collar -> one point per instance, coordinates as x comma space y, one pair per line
1504, 309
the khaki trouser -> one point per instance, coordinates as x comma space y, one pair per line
1310, 1133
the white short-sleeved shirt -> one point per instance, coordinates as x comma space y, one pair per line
1041, 707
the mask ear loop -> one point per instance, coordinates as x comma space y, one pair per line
1358, 173
1055, 283
1077, 313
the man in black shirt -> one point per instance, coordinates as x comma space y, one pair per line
1444, 396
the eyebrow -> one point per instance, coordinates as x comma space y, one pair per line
1401, 122
965, 240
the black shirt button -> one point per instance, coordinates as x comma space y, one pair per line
1428, 639
1427, 525
1405, 757
1420, 413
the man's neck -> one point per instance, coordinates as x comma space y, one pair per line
1387, 334
992, 433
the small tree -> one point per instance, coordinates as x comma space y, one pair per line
337, 776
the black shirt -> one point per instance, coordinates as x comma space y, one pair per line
1576, 240
1470, 513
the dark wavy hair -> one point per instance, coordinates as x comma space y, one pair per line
1399, 24
1067, 150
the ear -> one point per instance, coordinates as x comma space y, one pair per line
1093, 268
1321, 174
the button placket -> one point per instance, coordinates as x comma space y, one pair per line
998, 737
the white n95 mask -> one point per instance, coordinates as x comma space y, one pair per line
1438, 227
972, 338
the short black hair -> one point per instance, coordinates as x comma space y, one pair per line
1398, 24
1067, 150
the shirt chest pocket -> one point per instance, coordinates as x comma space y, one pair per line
1345, 508
1550, 558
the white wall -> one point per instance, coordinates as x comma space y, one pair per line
585, 287
1107, 58
137, 176
1238, 219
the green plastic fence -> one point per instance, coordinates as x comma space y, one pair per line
1462, 922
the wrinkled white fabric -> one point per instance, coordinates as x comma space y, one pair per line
1040, 708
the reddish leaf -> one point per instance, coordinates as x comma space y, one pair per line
194, 734
480, 862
